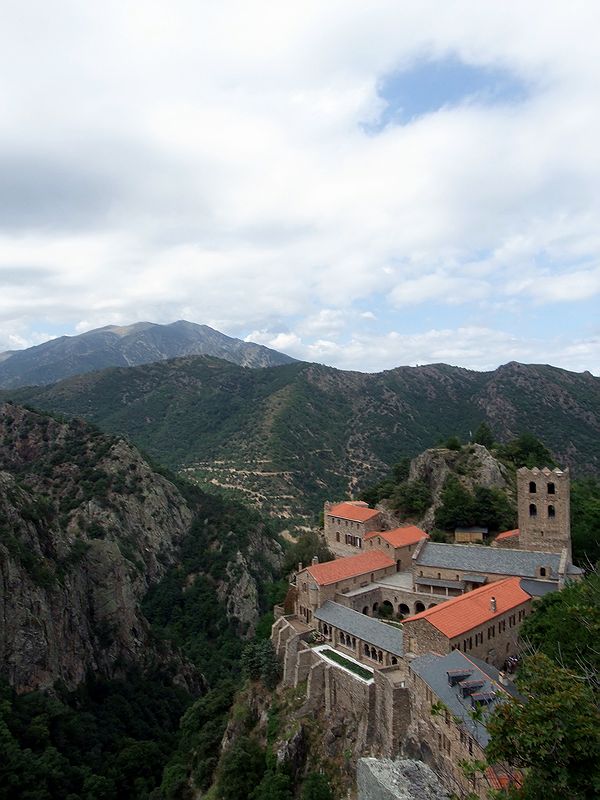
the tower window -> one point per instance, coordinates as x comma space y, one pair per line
542, 572
551, 488
532, 487
532, 510
551, 511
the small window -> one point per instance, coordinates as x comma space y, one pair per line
532, 510
542, 572
532, 487
337, 536
551, 512
551, 488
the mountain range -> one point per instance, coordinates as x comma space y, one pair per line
127, 346
286, 438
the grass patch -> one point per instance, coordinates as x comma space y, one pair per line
344, 662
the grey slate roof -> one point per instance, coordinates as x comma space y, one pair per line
538, 588
496, 560
473, 578
439, 582
370, 630
433, 669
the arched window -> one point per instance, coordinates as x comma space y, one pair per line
542, 572
394, 660
367, 650
551, 511
366, 610
551, 488
337, 536
342, 638
532, 487
532, 510
403, 609
419, 607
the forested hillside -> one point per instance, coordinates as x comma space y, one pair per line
287, 438
125, 598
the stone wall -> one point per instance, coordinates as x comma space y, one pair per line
435, 738
403, 601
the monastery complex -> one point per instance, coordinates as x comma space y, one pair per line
416, 639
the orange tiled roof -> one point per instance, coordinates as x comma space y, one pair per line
350, 567
461, 614
499, 778
350, 511
507, 535
401, 537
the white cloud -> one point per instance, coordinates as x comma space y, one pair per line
209, 161
478, 348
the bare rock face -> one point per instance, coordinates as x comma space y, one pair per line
86, 527
474, 466
384, 779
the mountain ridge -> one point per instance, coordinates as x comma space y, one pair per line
287, 438
124, 346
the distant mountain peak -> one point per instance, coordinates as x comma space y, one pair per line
127, 346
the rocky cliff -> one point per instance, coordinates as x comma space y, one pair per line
472, 466
87, 526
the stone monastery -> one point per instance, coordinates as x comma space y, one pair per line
421, 688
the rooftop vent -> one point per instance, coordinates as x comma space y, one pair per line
469, 687
315, 560
482, 698
493, 604
457, 675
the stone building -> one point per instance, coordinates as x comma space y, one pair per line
346, 524
474, 565
543, 500
483, 623
320, 582
413, 687
443, 732
399, 544
369, 640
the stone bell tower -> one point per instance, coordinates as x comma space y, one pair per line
543, 498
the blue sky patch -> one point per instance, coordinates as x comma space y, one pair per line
428, 86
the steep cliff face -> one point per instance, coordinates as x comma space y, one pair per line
86, 527
472, 466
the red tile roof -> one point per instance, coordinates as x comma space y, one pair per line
350, 567
507, 535
401, 537
350, 511
499, 778
461, 614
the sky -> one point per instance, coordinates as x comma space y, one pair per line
365, 185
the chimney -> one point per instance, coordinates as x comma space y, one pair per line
492, 603
300, 566
315, 560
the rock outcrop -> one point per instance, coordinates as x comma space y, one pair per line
383, 779
87, 526
473, 466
